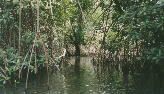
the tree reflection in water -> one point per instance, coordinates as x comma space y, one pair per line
85, 75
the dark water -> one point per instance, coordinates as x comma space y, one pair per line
87, 76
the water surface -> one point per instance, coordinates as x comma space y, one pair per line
86, 76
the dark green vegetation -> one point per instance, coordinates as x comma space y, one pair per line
37, 34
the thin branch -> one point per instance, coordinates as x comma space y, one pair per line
38, 30
84, 18
20, 26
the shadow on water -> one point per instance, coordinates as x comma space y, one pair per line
77, 64
131, 77
87, 75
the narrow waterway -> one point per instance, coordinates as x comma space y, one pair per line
83, 75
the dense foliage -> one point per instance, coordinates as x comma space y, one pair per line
140, 29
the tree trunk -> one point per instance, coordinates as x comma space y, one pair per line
77, 50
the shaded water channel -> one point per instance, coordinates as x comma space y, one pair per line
85, 75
